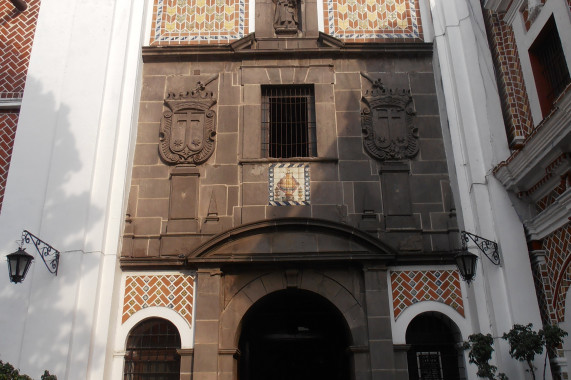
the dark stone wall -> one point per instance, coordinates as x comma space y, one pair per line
405, 203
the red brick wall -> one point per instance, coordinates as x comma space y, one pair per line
8, 122
558, 258
16, 36
513, 94
553, 278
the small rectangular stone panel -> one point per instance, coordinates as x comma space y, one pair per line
289, 184
179, 22
372, 20
174, 291
410, 287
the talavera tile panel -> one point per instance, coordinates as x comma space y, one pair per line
289, 184
372, 20
410, 287
174, 291
198, 21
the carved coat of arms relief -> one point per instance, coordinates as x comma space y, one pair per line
188, 127
387, 122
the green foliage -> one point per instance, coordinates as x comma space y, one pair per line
47, 376
524, 344
481, 349
553, 337
8, 372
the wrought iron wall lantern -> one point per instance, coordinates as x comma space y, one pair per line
19, 262
466, 261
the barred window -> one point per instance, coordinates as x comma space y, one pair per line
549, 66
152, 351
288, 121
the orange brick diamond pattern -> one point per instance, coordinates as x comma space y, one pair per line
173, 291
8, 123
410, 287
372, 20
16, 36
198, 21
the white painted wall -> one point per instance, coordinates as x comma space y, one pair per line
67, 182
476, 141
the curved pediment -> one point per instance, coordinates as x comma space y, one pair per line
292, 239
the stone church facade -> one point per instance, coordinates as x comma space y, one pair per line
224, 191
275, 189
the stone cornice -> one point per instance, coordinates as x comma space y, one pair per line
552, 218
180, 53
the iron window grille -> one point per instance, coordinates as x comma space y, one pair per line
152, 351
288, 121
549, 66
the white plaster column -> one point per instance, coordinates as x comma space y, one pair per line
67, 182
476, 141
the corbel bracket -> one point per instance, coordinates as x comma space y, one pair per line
488, 247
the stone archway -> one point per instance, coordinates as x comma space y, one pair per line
294, 333
434, 348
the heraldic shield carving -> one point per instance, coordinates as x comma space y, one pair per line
387, 123
188, 127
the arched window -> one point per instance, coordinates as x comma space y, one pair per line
152, 351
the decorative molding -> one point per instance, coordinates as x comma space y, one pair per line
497, 5
513, 10
555, 171
520, 171
10, 103
552, 218
225, 51
189, 126
387, 123
537, 257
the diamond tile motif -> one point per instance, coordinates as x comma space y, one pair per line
198, 21
410, 287
372, 20
172, 291
289, 184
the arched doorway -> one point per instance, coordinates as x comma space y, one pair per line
434, 352
294, 334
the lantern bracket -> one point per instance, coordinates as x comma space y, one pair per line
49, 254
489, 248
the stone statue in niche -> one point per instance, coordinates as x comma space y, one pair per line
286, 19
188, 126
387, 123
